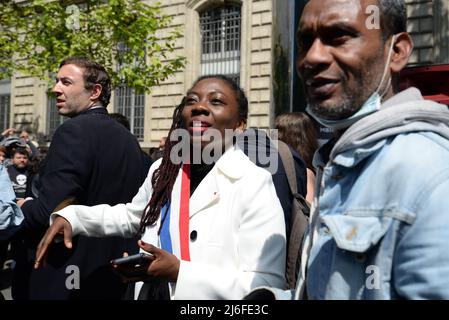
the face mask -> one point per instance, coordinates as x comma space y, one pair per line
372, 104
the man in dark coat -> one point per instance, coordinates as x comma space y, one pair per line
92, 160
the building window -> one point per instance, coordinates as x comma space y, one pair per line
4, 111
54, 119
220, 41
132, 105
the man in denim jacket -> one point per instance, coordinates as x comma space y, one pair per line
379, 226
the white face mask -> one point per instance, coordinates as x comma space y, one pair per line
372, 104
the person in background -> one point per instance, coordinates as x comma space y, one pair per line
155, 153
264, 152
162, 143
7, 133
120, 118
3, 152
10, 217
24, 134
123, 120
18, 172
298, 131
33, 183
11, 143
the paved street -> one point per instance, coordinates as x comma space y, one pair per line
5, 281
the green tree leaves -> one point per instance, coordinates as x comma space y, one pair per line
132, 39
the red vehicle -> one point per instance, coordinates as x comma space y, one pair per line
433, 81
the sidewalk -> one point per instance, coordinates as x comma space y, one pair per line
5, 280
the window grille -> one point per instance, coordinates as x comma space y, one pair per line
132, 105
4, 111
54, 119
220, 43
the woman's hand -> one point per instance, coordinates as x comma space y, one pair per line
165, 265
160, 265
133, 272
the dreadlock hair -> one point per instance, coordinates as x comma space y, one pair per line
164, 177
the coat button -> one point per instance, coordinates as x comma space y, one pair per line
193, 235
360, 257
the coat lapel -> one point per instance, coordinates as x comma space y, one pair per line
206, 194
232, 165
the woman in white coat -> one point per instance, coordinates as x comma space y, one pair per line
215, 228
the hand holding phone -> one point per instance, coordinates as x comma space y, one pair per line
134, 260
133, 268
154, 263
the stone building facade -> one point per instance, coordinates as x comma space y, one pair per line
257, 49
428, 22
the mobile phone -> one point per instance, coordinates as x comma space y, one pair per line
134, 260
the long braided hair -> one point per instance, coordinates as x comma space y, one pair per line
164, 177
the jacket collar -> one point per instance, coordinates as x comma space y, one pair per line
233, 164
95, 109
403, 113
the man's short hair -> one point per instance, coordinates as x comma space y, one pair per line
120, 118
94, 73
22, 151
393, 17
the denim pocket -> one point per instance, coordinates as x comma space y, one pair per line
357, 233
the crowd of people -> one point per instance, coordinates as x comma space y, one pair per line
19, 162
210, 212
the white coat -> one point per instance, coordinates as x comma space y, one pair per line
240, 243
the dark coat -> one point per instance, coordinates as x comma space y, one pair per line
262, 151
97, 161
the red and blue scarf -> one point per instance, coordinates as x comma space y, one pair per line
174, 234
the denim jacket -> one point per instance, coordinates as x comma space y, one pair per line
10, 214
380, 219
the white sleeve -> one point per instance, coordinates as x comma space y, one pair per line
105, 220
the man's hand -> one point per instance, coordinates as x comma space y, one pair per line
59, 227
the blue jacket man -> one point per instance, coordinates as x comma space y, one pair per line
382, 225
380, 218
